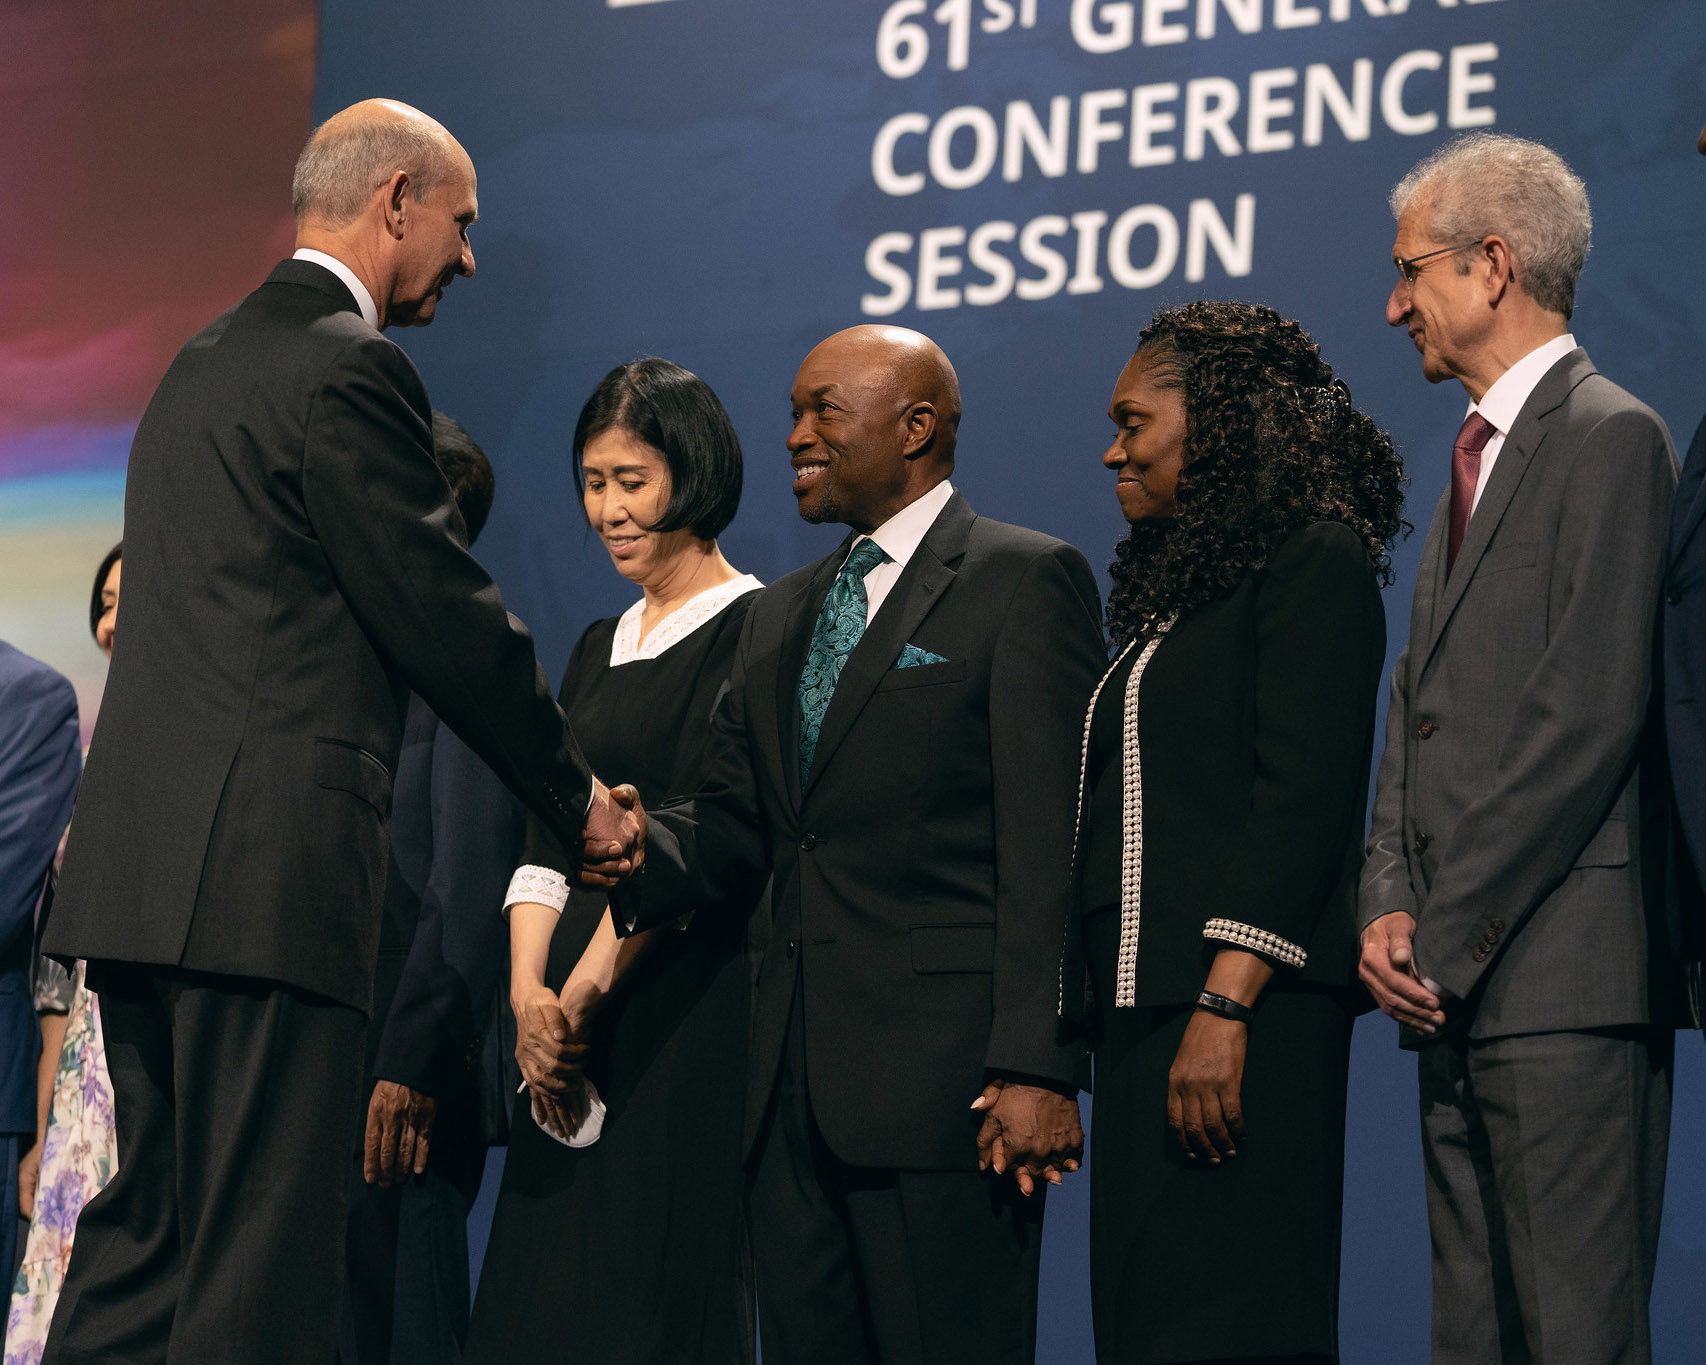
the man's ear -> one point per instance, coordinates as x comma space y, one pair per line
919, 421
1496, 259
398, 198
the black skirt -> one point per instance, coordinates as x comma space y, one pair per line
1196, 1262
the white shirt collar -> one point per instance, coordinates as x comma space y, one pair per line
1503, 402
363, 300
901, 535
626, 646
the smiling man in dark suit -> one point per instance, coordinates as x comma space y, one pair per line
1512, 906
294, 565
899, 746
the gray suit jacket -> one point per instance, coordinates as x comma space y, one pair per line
1511, 818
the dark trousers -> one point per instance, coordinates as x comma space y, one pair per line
1545, 1158
221, 1236
407, 1259
856, 1265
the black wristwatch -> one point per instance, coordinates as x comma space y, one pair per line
1225, 1007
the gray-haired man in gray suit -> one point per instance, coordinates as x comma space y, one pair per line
1511, 906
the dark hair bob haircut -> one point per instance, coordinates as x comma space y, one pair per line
675, 412
1272, 443
97, 608
466, 469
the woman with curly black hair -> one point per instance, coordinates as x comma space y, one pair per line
1226, 764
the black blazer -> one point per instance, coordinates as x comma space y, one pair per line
913, 891
294, 564
456, 834
1256, 725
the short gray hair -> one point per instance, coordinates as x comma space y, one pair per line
342, 166
1487, 183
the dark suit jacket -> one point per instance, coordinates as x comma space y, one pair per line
455, 836
38, 781
1256, 726
917, 889
1513, 815
1683, 625
294, 564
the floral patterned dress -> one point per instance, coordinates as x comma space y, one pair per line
79, 1156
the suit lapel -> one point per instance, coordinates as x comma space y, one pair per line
1527, 435
1430, 573
921, 585
791, 662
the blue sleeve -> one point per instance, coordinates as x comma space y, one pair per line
39, 769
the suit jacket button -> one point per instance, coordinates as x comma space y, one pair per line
793, 946
1480, 954
1422, 841
808, 843
1425, 729
1674, 596
1496, 927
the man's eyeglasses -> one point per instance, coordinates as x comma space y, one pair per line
1410, 269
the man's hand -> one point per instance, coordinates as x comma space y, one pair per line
29, 1175
549, 1053
1204, 1088
613, 844
1030, 1128
399, 1132
1388, 970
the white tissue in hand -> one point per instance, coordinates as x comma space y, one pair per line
591, 1125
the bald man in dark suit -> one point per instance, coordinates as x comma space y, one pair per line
294, 566
898, 746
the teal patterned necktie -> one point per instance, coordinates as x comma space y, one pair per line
839, 626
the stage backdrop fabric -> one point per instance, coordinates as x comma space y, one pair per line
144, 186
725, 182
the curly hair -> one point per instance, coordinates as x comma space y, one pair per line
1272, 444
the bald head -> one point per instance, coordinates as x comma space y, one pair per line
908, 365
388, 192
876, 417
360, 149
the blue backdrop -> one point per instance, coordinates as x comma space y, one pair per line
724, 182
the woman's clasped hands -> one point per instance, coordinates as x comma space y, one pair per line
553, 1042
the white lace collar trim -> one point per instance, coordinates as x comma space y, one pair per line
626, 647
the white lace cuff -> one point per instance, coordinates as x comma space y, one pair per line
1256, 940
537, 886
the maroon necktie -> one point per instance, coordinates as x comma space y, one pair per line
1472, 439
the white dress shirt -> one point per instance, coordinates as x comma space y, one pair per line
898, 538
1501, 403
363, 299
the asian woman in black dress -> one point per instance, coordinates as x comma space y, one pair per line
1226, 766
628, 1246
